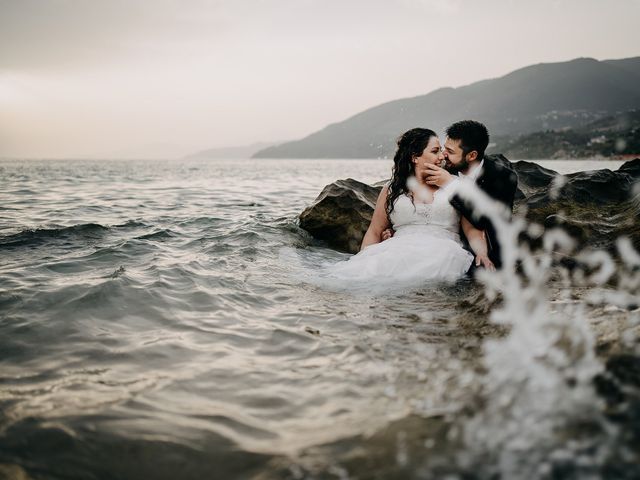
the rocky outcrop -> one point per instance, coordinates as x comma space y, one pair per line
597, 187
341, 214
532, 179
595, 207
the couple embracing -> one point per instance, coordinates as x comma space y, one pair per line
421, 228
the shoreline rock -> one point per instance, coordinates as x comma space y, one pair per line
341, 214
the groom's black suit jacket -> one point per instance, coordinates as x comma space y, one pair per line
499, 181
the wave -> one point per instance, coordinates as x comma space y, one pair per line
158, 235
39, 235
131, 224
91, 230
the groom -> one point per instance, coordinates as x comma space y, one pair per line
464, 154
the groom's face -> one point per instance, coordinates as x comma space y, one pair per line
454, 156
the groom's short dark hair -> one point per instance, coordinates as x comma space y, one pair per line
472, 135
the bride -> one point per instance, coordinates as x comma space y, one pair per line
426, 244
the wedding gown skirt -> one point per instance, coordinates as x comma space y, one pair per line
414, 254
425, 247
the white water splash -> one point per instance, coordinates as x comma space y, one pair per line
539, 380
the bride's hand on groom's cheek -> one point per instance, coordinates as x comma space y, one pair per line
435, 175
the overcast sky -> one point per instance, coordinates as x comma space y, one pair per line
160, 78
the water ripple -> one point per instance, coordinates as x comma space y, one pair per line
149, 326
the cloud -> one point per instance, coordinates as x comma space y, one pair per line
442, 7
65, 34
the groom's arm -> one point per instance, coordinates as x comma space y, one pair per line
502, 188
477, 240
468, 211
504, 184
507, 194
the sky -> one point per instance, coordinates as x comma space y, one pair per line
165, 78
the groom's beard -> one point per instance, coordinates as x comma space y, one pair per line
455, 169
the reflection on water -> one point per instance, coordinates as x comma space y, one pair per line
149, 327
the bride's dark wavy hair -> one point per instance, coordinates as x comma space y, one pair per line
410, 144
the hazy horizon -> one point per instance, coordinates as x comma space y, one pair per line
134, 79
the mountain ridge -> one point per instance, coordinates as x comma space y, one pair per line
533, 98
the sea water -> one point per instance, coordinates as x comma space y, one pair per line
150, 327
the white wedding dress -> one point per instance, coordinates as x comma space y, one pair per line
425, 247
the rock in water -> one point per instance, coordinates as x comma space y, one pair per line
532, 178
632, 167
594, 207
598, 187
341, 214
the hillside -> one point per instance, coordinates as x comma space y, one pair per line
540, 97
617, 135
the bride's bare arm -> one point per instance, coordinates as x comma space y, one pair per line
379, 221
478, 243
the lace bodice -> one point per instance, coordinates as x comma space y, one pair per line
440, 214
